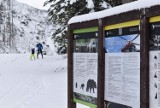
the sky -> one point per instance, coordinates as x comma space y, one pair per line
35, 3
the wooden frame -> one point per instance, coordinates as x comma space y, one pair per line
143, 15
93, 23
123, 19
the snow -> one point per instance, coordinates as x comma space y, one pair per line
105, 5
116, 10
72, 1
90, 4
33, 84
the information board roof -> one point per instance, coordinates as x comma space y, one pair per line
115, 10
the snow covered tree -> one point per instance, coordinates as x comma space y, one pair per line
118, 2
61, 11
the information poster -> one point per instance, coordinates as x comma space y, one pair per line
155, 65
85, 67
122, 67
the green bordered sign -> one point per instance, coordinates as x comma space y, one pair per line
154, 64
122, 65
85, 59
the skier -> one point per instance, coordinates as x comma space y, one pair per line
32, 54
39, 49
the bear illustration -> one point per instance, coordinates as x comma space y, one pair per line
76, 84
82, 86
91, 84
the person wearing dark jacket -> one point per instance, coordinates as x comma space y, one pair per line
39, 49
32, 54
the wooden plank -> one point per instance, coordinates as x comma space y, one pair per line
71, 104
101, 66
153, 11
144, 57
81, 25
123, 17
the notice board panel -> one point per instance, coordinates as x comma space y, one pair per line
85, 63
122, 65
154, 64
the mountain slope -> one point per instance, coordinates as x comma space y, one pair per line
30, 25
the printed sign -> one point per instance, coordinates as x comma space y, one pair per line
122, 67
85, 67
154, 65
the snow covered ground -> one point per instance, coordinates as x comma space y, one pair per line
33, 84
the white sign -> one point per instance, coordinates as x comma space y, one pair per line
85, 73
122, 74
154, 79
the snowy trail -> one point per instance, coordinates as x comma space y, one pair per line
33, 84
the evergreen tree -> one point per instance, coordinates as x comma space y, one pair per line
114, 3
61, 11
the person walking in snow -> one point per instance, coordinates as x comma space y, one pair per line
39, 49
32, 54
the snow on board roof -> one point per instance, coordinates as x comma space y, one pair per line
113, 11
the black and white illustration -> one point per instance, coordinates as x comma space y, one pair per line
91, 86
85, 45
82, 86
155, 36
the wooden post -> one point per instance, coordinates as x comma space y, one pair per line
71, 104
144, 60
101, 66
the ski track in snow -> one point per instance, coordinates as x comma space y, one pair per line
33, 84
